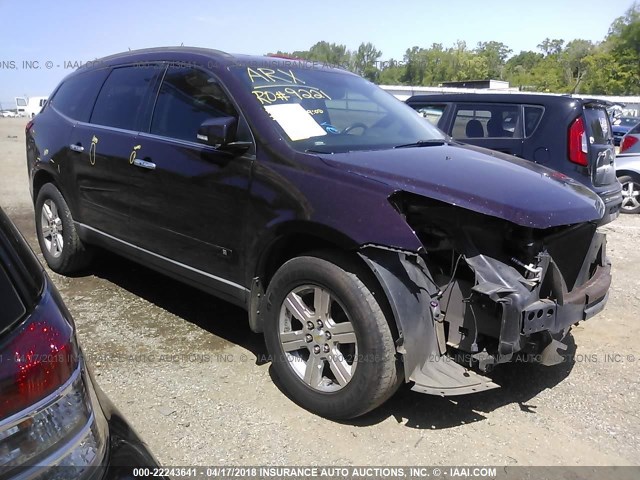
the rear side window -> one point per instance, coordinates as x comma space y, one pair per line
124, 101
76, 96
12, 307
487, 121
598, 127
187, 98
431, 112
21, 275
532, 117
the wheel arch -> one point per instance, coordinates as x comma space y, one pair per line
39, 179
629, 173
309, 238
43, 176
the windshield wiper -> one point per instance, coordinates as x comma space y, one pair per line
434, 142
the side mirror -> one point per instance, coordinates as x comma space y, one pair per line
219, 132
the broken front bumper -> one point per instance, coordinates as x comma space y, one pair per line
447, 334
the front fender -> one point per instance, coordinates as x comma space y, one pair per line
411, 291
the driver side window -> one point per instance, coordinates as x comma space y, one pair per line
187, 97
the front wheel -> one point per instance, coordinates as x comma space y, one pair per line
329, 341
630, 194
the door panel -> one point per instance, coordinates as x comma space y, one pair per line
190, 205
104, 149
100, 159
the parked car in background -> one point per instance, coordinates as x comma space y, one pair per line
29, 106
628, 171
54, 421
621, 125
551, 130
8, 114
631, 141
368, 247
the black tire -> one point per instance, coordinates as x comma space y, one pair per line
629, 185
73, 255
376, 375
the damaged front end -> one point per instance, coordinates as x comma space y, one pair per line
484, 290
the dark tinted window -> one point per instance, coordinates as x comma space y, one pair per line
21, 275
532, 117
125, 98
12, 306
598, 127
76, 96
187, 98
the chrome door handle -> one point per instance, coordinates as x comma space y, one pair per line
144, 164
76, 147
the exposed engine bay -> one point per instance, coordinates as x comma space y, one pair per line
492, 289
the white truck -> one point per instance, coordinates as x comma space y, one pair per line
29, 106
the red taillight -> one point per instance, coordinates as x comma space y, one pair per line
37, 359
28, 126
627, 142
578, 143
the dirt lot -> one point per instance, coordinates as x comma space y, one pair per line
183, 367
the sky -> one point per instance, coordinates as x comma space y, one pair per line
61, 35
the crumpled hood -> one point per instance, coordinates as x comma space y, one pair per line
481, 180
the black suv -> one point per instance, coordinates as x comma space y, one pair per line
568, 134
368, 247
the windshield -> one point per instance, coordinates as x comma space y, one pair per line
329, 111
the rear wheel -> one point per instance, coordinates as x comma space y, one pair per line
329, 341
62, 248
630, 194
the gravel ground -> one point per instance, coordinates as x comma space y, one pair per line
186, 370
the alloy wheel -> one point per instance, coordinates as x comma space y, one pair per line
318, 338
51, 228
630, 195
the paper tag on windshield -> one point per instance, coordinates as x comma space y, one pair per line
295, 121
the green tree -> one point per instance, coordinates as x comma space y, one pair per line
330, 53
624, 41
495, 54
414, 71
391, 72
574, 62
548, 74
604, 77
365, 61
551, 47
519, 69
